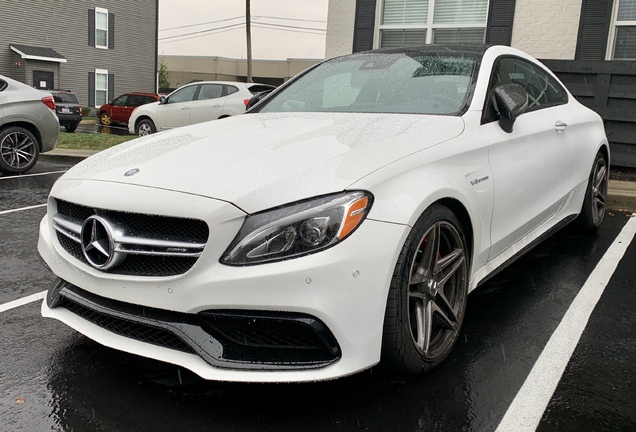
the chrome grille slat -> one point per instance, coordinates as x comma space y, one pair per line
160, 239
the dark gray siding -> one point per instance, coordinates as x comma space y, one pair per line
63, 26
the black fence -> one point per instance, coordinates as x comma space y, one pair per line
609, 88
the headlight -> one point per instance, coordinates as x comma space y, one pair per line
298, 229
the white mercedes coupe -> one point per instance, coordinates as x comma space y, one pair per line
338, 224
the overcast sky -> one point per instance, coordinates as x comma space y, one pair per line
223, 36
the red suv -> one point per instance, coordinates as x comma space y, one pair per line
119, 110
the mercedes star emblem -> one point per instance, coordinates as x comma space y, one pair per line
98, 244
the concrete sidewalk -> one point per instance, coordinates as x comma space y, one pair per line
621, 194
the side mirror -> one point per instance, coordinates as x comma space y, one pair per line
162, 100
510, 101
257, 98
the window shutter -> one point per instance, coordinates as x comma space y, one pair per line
364, 25
500, 18
593, 29
111, 87
91, 27
91, 88
111, 30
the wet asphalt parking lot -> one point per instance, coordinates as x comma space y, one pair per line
528, 357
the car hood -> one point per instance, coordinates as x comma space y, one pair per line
257, 161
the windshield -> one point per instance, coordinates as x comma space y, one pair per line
381, 83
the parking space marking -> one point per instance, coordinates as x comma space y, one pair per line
21, 302
526, 410
33, 175
21, 209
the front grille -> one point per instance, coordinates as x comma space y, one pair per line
231, 339
153, 245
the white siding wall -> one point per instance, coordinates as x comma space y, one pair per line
340, 24
547, 28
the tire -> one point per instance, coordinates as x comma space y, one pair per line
71, 128
593, 210
19, 150
105, 119
428, 293
145, 127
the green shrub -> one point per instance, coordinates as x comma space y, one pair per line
86, 111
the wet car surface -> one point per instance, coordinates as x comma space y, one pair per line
55, 379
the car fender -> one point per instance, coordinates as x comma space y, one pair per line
463, 183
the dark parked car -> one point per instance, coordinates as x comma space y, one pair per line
68, 109
119, 110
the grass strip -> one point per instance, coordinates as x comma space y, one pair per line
88, 141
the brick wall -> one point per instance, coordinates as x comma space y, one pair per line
547, 28
340, 24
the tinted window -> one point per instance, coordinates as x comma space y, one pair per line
120, 101
230, 89
62, 98
3, 85
210, 91
149, 99
135, 100
185, 94
543, 90
382, 83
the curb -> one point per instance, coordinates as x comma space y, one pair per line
621, 194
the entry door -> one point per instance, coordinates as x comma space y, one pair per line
43, 80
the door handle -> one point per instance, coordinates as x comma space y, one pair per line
216, 106
185, 108
560, 126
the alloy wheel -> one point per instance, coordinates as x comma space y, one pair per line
437, 294
18, 149
599, 190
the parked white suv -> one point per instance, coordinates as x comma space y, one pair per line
194, 103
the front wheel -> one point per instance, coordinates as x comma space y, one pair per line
105, 119
145, 127
428, 293
19, 150
593, 210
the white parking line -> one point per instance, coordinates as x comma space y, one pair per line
33, 175
526, 410
24, 300
21, 209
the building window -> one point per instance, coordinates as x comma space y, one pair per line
101, 87
418, 22
101, 28
624, 43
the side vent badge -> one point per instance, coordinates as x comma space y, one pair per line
131, 172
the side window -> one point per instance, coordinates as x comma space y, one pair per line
210, 91
120, 101
230, 89
148, 99
135, 100
543, 90
185, 94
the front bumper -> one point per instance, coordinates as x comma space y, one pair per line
341, 292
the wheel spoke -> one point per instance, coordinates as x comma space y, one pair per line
600, 177
429, 248
445, 310
454, 259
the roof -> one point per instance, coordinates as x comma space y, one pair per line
38, 53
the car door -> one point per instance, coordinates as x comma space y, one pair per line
530, 165
132, 102
176, 111
208, 104
117, 109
